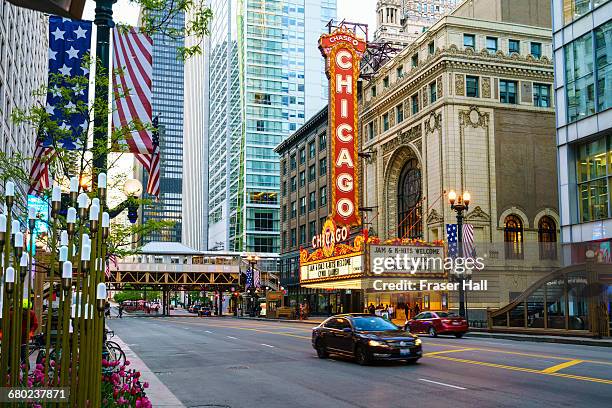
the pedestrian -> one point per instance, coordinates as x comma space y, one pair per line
371, 308
407, 310
27, 332
416, 309
120, 309
107, 311
391, 309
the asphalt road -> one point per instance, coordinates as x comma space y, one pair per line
227, 362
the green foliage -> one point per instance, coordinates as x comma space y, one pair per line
157, 17
136, 295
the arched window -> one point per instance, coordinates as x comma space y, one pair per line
409, 223
547, 238
513, 237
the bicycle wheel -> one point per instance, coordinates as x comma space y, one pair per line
115, 354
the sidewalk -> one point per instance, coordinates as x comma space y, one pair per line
158, 393
480, 333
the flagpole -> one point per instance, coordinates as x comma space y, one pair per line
104, 22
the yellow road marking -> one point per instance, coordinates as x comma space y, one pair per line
448, 351
561, 366
525, 370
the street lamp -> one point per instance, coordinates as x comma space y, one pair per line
133, 190
252, 260
459, 204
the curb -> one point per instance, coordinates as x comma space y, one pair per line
157, 393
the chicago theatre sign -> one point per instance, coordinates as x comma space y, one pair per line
343, 52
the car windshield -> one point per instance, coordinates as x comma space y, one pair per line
373, 324
446, 314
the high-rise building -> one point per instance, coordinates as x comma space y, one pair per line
23, 70
582, 33
400, 22
266, 76
168, 91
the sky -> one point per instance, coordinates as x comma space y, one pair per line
362, 11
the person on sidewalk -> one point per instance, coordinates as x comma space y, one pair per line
371, 308
407, 310
416, 309
120, 308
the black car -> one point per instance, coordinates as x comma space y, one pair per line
366, 338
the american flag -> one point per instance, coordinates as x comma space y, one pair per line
67, 96
132, 87
256, 278
154, 159
111, 258
249, 278
468, 240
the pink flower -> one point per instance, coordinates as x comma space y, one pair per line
146, 384
127, 362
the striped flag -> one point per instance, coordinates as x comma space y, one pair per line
39, 174
132, 88
468, 240
256, 278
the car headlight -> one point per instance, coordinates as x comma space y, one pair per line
417, 342
376, 343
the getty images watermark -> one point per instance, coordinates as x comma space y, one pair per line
404, 263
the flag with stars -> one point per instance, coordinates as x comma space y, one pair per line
67, 95
468, 240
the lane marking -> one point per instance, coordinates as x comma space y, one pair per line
267, 345
449, 351
232, 337
525, 370
207, 331
443, 384
561, 366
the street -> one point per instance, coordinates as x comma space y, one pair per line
228, 362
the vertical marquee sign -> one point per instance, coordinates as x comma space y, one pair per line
343, 52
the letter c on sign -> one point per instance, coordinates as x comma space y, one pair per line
345, 207
345, 182
343, 59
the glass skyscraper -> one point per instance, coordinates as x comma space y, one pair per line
266, 78
168, 91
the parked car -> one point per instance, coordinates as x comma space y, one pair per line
434, 323
204, 311
366, 338
194, 308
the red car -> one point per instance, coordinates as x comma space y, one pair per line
434, 323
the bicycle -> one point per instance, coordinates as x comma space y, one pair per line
111, 351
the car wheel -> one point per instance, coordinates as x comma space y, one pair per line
321, 350
459, 335
362, 356
432, 332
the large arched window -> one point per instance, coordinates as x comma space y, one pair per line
547, 238
409, 222
513, 237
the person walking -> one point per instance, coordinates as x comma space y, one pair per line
27, 332
407, 310
120, 311
391, 309
371, 308
416, 309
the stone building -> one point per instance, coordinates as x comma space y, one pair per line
469, 106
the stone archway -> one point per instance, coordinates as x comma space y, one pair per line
393, 171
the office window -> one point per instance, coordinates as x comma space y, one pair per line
385, 121
400, 71
370, 130
603, 56
284, 189
415, 60
492, 44
284, 166
312, 173
312, 150
399, 114
514, 46
469, 41
293, 209
264, 220
302, 234
431, 48
432, 92
471, 86
580, 85
386, 82
322, 141
312, 201
322, 196
594, 178
261, 126
536, 49
302, 205
373, 90
312, 227
302, 155
414, 99
323, 166
302, 178
541, 95
293, 162
507, 91
293, 237
293, 183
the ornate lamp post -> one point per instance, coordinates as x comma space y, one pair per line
460, 204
